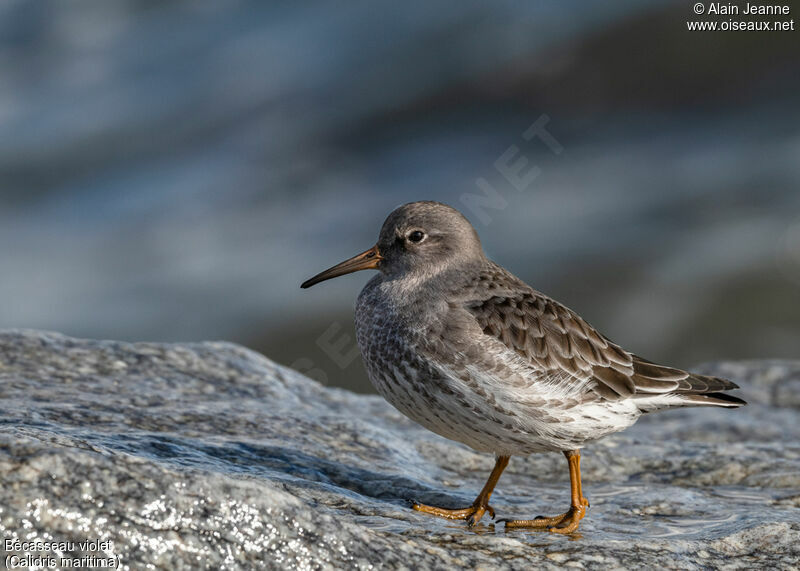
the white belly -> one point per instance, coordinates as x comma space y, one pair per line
458, 414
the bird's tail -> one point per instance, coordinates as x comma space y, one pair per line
694, 390
713, 399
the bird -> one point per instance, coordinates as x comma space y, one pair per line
468, 350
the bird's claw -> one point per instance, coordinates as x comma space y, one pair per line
472, 514
563, 523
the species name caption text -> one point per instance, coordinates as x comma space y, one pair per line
719, 17
43, 554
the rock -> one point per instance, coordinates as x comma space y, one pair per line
208, 455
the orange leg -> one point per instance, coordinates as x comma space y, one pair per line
568, 521
475, 512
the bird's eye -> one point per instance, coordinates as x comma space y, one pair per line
416, 236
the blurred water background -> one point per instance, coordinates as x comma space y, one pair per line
174, 170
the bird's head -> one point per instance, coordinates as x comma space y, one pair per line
419, 238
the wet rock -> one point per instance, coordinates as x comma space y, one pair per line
211, 456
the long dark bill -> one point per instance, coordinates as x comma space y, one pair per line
364, 261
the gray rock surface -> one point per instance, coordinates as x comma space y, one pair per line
211, 456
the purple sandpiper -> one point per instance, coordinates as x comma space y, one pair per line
466, 349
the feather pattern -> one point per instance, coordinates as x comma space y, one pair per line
468, 350
554, 340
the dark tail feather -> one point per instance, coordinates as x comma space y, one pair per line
706, 390
714, 399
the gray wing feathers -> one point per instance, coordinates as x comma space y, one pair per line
556, 340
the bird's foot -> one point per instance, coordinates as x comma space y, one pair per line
472, 514
563, 523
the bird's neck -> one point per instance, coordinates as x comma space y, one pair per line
426, 284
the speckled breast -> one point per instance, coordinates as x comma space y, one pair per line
398, 365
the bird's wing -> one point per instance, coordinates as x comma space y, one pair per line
563, 348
